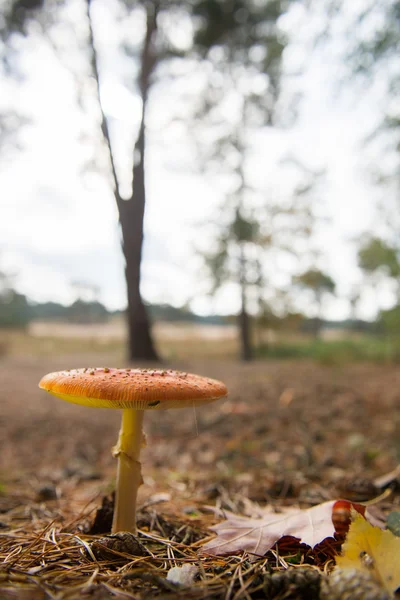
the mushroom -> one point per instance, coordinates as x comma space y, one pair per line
133, 391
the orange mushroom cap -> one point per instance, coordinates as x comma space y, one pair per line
140, 389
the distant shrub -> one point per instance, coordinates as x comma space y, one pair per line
15, 312
87, 312
389, 320
364, 348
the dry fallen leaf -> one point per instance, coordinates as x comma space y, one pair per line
258, 535
372, 550
286, 397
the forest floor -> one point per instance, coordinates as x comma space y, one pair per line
289, 434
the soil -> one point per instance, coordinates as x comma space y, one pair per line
290, 433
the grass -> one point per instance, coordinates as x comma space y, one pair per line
365, 348
180, 342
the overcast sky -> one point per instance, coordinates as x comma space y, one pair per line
58, 227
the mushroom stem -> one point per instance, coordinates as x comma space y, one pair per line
129, 474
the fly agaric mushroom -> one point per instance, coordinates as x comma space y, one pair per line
133, 391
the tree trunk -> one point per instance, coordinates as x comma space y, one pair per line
131, 214
246, 350
316, 328
131, 211
317, 325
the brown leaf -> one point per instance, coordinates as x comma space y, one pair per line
257, 536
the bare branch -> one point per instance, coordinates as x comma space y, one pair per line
104, 122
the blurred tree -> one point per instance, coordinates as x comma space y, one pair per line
235, 258
82, 311
375, 254
368, 33
14, 308
131, 210
88, 292
379, 260
354, 299
243, 45
319, 283
374, 55
389, 321
239, 40
19, 15
366, 36
246, 244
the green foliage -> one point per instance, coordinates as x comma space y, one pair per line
217, 20
14, 310
87, 312
51, 311
382, 41
319, 283
389, 320
367, 36
315, 280
291, 321
239, 24
230, 261
376, 255
365, 348
18, 13
165, 312
244, 230
94, 312
217, 261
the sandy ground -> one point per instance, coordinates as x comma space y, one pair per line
288, 430
116, 329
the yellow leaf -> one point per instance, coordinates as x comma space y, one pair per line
372, 550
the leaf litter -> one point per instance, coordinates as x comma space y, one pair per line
258, 535
278, 454
374, 551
